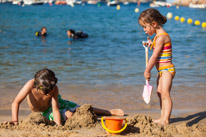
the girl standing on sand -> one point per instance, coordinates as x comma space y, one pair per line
43, 96
152, 21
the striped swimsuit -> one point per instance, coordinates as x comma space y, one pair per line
165, 56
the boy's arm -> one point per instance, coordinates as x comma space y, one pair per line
19, 98
55, 107
155, 55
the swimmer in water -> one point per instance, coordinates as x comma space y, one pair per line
42, 33
76, 35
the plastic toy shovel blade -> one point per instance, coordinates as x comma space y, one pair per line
147, 92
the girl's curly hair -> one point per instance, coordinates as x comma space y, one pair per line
150, 15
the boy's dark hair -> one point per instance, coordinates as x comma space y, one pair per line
150, 15
43, 28
72, 31
45, 80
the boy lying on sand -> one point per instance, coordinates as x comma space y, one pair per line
43, 96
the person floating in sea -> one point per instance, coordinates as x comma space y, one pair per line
43, 96
76, 35
152, 22
42, 33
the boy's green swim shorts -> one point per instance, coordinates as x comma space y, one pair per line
64, 105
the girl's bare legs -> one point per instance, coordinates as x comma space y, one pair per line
164, 87
160, 99
166, 98
111, 112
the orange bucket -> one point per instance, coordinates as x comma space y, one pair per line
114, 124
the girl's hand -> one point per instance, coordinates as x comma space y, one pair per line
147, 75
149, 41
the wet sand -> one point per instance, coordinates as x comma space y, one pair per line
188, 116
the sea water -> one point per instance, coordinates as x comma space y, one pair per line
112, 54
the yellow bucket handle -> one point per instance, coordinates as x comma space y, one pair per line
125, 125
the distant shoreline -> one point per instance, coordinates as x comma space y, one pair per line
176, 2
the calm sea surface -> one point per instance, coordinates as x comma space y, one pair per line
112, 54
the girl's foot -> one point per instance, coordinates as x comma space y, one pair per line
160, 121
116, 112
157, 120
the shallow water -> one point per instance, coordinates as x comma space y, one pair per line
112, 54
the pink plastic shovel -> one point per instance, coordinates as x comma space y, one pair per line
147, 92
147, 88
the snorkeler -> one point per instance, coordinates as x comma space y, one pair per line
43, 32
76, 35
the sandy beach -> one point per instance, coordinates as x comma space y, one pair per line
105, 71
188, 115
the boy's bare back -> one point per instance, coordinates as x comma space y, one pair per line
37, 100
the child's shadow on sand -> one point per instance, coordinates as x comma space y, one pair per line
130, 130
192, 119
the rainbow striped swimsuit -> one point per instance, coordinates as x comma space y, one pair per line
166, 53
165, 56
170, 68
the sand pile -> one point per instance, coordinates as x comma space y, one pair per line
83, 117
144, 126
36, 118
36, 125
84, 123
